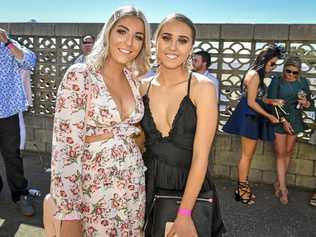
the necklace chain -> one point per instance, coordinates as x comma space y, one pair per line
173, 84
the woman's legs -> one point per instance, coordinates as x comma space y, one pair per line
248, 148
290, 144
280, 153
284, 146
243, 193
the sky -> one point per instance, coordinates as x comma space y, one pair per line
200, 11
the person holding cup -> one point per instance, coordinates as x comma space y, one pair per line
294, 90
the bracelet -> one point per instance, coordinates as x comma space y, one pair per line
10, 46
184, 212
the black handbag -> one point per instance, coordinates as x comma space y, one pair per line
165, 207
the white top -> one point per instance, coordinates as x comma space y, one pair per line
26, 80
214, 80
81, 59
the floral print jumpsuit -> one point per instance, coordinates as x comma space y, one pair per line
101, 183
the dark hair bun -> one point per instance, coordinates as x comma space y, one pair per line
279, 50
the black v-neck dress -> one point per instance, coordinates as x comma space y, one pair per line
168, 159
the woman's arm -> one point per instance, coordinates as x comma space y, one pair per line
67, 147
307, 102
252, 79
205, 99
203, 95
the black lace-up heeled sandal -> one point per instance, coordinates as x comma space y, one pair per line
243, 193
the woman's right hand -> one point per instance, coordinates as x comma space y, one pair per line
278, 102
273, 119
71, 228
183, 227
288, 127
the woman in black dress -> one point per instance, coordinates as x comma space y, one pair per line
179, 123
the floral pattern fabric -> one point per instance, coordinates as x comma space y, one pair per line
101, 183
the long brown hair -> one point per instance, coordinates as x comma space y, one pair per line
263, 58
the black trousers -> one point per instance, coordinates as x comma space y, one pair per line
10, 150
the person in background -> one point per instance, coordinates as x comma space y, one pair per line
86, 48
26, 80
288, 87
13, 58
201, 63
312, 140
250, 120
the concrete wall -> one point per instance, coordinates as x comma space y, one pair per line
302, 171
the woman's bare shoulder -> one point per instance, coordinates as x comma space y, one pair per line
200, 81
250, 77
251, 74
202, 87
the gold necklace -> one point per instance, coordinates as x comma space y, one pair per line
174, 84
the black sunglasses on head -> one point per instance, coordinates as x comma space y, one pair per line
291, 72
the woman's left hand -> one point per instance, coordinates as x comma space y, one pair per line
303, 102
183, 227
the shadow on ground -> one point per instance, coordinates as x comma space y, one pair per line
12, 223
264, 219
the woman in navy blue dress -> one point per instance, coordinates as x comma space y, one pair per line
250, 120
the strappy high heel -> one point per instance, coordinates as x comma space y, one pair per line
243, 193
284, 196
313, 199
276, 189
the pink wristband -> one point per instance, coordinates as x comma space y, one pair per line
10, 45
184, 212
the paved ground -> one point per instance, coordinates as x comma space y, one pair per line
266, 218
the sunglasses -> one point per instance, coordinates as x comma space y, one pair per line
291, 72
87, 42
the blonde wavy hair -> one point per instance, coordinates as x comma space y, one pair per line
140, 65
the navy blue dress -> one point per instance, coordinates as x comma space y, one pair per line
246, 122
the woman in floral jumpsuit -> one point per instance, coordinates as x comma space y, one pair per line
97, 178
